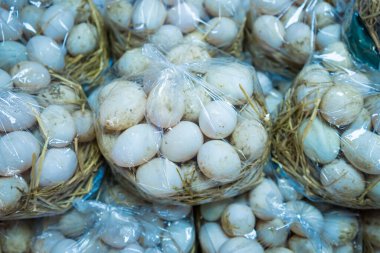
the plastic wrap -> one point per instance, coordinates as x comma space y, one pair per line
371, 238
283, 33
169, 23
66, 36
274, 218
182, 132
48, 152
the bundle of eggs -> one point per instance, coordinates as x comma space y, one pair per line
170, 22
283, 32
335, 143
62, 35
190, 135
47, 147
273, 216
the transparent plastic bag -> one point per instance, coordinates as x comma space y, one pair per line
165, 131
283, 33
66, 36
48, 152
169, 23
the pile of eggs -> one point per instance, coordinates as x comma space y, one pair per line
44, 33
274, 217
40, 119
287, 27
170, 22
170, 129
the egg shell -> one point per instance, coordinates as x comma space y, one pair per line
66, 245
271, 7
272, 233
186, 53
298, 41
17, 111
30, 16
152, 230
119, 13
167, 37
82, 39
336, 56
98, 246
324, 13
17, 237
6, 82
132, 62
287, 190
211, 237
16, 152
371, 224
265, 82
12, 189
30, 76
12, 52
165, 104
269, 31
221, 32
264, 198
123, 107
148, 15
152, 250
171, 212
374, 193
321, 143
241, 245
341, 105
292, 15
278, 250
180, 237
46, 51
185, 16
73, 224
219, 161
15, 4
45, 242
340, 227
356, 80
131, 247
220, 8
59, 94
346, 248
58, 166
328, 35
361, 148
226, 79
84, 125
196, 97
273, 102
214, 210
58, 125
363, 121
11, 26
159, 177
57, 21
238, 220
301, 245
198, 182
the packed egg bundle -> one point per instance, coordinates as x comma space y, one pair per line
167, 23
330, 125
189, 133
283, 33
48, 152
66, 36
273, 217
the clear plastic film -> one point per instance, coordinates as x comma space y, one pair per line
282, 33
65, 36
167, 23
48, 151
327, 138
180, 132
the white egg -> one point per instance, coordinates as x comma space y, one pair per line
167, 37
328, 35
278, 250
45, 242
165, 104
196, 97
30, 17
238, 220
292, 15
171, 212
152, 232
265, 82
324, 13
180, 237
336, 56
46, 51
301, 245
218, 120
185, 16
214, 210
298, 42
57, 166
30, 76
340, 227
57, 21
241, 245
14, 4
11, 53
148, 15
269, 31
219, 161
221, 32
273, 102
356, 80
159, 177
222, 8
84, 125
363, 121
82, 39
287, 190
193, 176
211, 237
6, 82
152, 250
59, 94
273, 233
374, 193
12, 189
187, 53
58, 125
98, 247
123, 105
16, 237
73, 223
340, 179
264, 199
271, 7
17, 111
11, 26
136, 145
182, 142
132, 62
119, 13
130, 248
16, 152
346, 248
250, 138
227, 79
66, 246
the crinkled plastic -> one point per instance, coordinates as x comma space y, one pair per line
326, 138
182, 133
167, 23
67, 36
283, 33
48, 152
